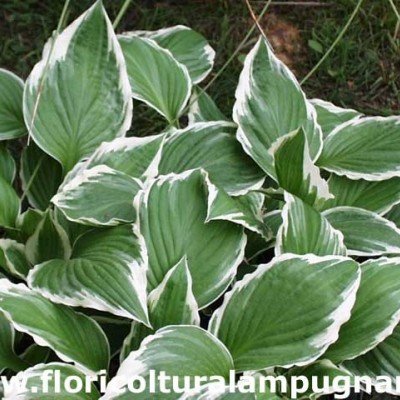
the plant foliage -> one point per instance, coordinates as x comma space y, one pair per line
216, 244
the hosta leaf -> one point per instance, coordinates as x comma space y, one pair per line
73, 229
156, 77
265, 391
257, 244
381, 361
215, 391
376, 311
13, 258
211, 392
172, 211
134, 156
48, 241
99, 196
133, 340
11, 118
85, 96
296, 172
213, 147
176, 350
9, 204
270, 104
273, 220
7, 164
378, 197
305, 230
203, 108
365, 148
73, 336
170, 303
188, 47
28, 221
243, 210
282, 325
365, 233
36, 354
34, 388
106, 272
394, 215
173, 302
41, 176
8, 358
330, 116
324, 373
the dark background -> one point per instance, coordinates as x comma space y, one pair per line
363, 72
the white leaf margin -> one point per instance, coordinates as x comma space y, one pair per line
311, 173
394, 320
6, 285
190, 300
377, 217
378, 176
128, 144
199, 126
132, 367
208, 51
237, 218
57, 52
142, 199
86, 176
86, 299
5, 244
243, 94
341, 315
282, 231
152, 43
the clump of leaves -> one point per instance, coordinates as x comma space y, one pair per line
224, 244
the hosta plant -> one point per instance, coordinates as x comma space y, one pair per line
264, 242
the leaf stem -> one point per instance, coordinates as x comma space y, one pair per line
121, 13
335, 42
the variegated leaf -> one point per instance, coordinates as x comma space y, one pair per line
187, 46
376, 311
213, 147
106, 272
296, 172
12, 124
330, 116
99, 196
67, 112
172, 212
365, 148
270, 104
365, 232
176, 350
305, 230
156, 77
55, 326
281, 325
